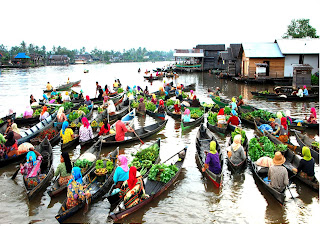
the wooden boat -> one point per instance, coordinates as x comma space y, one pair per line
45, 149
53, 141
9, 160
286, 97
38, 128
203, 139
64, 87
293, 161
96, 100
156, 115
3, 125
95, 149
172, 114
184, 89
304, 140
153, 77
152, 188
141, 132
193, 122
238, 167
215, 128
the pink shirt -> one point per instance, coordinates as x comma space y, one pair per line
28, 170
121, 129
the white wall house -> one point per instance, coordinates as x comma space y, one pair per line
299, 51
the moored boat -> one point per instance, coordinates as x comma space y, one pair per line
304, 140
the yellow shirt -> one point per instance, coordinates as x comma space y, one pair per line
49, 86
115, 84
67, 136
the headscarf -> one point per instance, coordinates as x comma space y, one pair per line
233, 99
153, 96
105, 99
44, 109
194, 97
313, 111
166, 93
15, 128
306, 153
87, 98
10, 139
213, 147
240, 97
65, 124
284, 123
236, 142
161, 102
279, 115
187, 111
2, 139
85, 122
191, 91
77, 176
124, 162
304, 86
177, 102
67, 161
33, 157
132, 181
221, 111
141, 100
288, 113
61, 109
233, 112
29, 109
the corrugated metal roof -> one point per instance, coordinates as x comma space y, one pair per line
213, 47
299, 45
262, 50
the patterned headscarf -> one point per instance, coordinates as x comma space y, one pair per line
77, 176
33, 157
306, 153
85, 122
65, 124
213, 147
124, 162
132, 181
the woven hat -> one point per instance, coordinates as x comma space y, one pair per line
278, 158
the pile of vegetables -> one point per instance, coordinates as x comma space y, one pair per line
315, 144
196, 113
262, 114
1, 121
94, 123
184, 95
134, 104
50, 133
76, 114
84, 164
100, 109
120, 90
227, 110
217, 98
241, 132
207, 105
162, 172
66, 106
212, 118
170, 102
84, 109
151, 106
37, 112
264, 92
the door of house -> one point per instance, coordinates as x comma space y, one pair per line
268, 67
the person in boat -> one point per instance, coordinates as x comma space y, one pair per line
288, 117
142, 106
28, 112
268, 127
187, 116
122, 171
278, 174
161, 91
68, 81
178, 93
88, 102
221, 118
54, 92
105, 129
217, 91
44, 114
32, 100
191, 95
234, 119
233, 104
31, 169
111, 108
154, 99
277, 90
115, 84
300, 92
61, 116
167, 88
119, 83
306, 165
161, 108
64, 169
139, 90
212, 160
313, 116
45, 98
49, 86
9, 126
195, 102
282, 131
132, 190
66, 97
278, 119
66, 133
146, 91
81, 95
305, 91
98, 87
85, 131
59, 99
166, 97
236, 152
100, 97
177, 107
106, 91
240, 101
139, 70
76, 191
16, 131
11, 144
121, 130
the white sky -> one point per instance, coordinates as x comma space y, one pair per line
156, 25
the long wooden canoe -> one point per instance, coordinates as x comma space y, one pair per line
3, 125
240, 166
304, 140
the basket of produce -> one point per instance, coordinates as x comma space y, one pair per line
101, 172
94, 125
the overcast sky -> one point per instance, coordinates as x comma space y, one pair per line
156, 25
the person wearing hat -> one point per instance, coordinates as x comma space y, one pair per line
142, 106
111, 107
195, 102
234, 120
212, 160
282, 131
146, 91
306, 165
278, 174
240, 101
132, 190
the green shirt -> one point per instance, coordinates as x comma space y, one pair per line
62, 170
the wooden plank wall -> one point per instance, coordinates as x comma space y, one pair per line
276, 69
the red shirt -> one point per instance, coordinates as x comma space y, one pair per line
121, 129
234, 120
103, 130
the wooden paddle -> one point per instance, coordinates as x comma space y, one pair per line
136, 134
15, 174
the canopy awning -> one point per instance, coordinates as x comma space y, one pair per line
21, 56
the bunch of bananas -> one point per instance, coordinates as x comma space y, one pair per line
94, 123
73, 124
101, 171
194, 115
79, 124
100, 124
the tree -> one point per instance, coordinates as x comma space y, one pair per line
300, 28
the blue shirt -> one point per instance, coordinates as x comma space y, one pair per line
120, 175
233, 105
305, 92
186, 118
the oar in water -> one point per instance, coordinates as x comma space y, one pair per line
136, 134
15, 174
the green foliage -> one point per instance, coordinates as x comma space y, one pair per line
239, 131
265, 92
196, 113
264, 115
166, 172
120, 90
217, 98
134, 104
151, 106
184, 95
84, 109
227, 110
170, 102
83, 163
37, 112
212, 118
315, 143
145, 157
99, 164
109, 166
300, 28
264, 147
314, 79
281, 147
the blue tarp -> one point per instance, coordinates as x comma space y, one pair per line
21, 56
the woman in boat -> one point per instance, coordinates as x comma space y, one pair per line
300, 92
161, 108
59, 99
28, 112
64, 169
132, 190
76, 192
195, 102
166, 97
186, 117
142, 106
106, 91
278, 119
100, 97
177, 107
66, 97
288, 117
240, 101
16, 131
282, 131
44, 114
81, 95
161, 91
191, 95
53, 93
66, 133
313, 116
212, 160
11, 144
105, 129
278, 174
121, 130
9, 126
122, 171
233, 104
115, 84
154, 99
105, 102
87, 101
305, 91
306, 165
234, 120
221, 118
178, 93
85, 131
111, 107
61, 116
236, 152
146, 91
32, 100
31, 169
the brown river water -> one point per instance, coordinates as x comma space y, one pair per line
192, 198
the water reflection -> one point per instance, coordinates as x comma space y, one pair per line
275, 214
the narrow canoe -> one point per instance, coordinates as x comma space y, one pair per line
304, 140
235, 168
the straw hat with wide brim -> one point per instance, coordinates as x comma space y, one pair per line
278, 158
